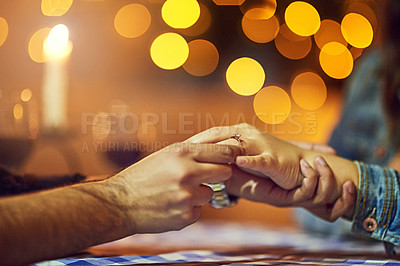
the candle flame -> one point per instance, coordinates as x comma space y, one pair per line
57, 43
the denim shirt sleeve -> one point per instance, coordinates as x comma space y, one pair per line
376, 215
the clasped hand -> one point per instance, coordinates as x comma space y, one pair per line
275, 172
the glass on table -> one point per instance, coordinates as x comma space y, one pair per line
18, 127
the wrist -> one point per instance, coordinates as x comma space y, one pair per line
118, 197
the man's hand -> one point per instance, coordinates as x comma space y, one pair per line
166, 190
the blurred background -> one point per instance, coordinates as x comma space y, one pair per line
91, 86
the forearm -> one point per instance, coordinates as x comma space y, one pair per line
60, 222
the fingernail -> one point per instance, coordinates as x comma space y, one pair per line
304, 163
241, 160
321, 161
351, 190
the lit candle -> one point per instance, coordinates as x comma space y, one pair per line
57, 49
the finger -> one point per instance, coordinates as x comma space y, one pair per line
251, 187
305, 192
202, 195
212, 135
259, 189
343, 206
326, 184
217, 153
210, 173
260, 163
191, 217
307, 189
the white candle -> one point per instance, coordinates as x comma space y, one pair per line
57, 49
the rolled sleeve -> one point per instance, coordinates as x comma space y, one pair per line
377, 213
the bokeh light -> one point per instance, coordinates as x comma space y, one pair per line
203, 58
291, 45
260, 30
245, 76
35, 46
180, 14
357, 30
55, 8
272, 105
258, 9
132, 20
309, 91
336, 60
18, 111
302, 18
365, 10
202, 24
169, 51
228, 2
26, 95
3, 30
330, 31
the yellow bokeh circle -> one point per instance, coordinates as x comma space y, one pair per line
180, 14
291, 45
336, 60
260, 30
26, 95
3, 30
309, 91
55, 8
169, 51
330, 31
302, 18
132, 20
203, 58
258, 9
35, 47
18, 111
357, 30
245, 76
272, 105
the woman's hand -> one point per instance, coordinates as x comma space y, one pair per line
165, 190
326, 203
317, 192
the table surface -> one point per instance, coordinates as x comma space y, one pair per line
217, 243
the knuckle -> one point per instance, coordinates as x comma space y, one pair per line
228, 152
265, 161
183, 197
